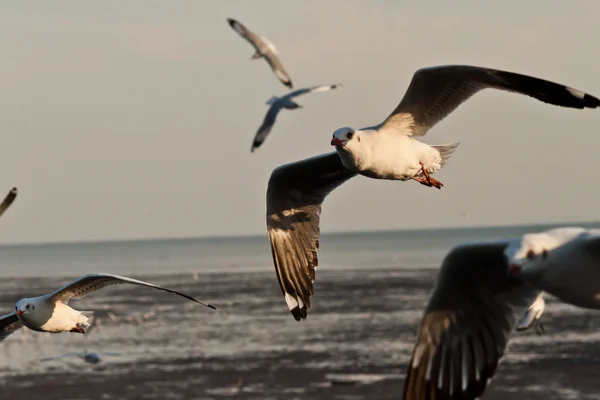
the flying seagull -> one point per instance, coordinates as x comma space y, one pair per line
51, 313
564, 262
8, 200
465, 329
387, 151
287, 102
480, 289
264, 48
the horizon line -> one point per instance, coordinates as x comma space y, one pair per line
257, 235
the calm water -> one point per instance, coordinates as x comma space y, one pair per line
392, 249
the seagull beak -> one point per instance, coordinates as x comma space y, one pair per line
514, 269
336, 142
19, 313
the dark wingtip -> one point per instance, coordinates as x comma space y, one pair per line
211, 306
231, 21
299, 313
591, 101
289, 84
14, 190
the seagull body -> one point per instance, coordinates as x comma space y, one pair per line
564, 262
389, 150
279, 103
263, 49
51, 312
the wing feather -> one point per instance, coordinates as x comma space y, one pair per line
435, 92
294, 197
91, 283
466, 324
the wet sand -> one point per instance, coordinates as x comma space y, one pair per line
354, 345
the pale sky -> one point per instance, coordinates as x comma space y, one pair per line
134, 119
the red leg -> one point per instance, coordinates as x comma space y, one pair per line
78, 329
428, 180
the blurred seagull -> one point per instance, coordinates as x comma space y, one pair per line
480, 290
278, 103
264, 48
50, 312
387, 151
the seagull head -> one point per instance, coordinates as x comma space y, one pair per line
344, 136
24, 306
528, 255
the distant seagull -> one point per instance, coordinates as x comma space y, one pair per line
564, 262
386, 151
264, 48
50, 312
277, 103
480, 290
8, 200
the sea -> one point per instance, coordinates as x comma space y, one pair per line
370, 291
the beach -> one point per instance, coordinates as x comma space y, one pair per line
355, 343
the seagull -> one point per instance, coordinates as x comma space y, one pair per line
466, 325
264, 48
387, 151
8, 200
564, 262
277, 103
51, 313
480, 289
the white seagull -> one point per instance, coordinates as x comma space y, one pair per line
8, 200
51, 313
264, 48
564, 262
278, 103
480, 290
387, 151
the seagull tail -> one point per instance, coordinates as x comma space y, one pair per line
446, 151
86, 320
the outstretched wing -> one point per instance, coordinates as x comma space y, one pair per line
277, 67
8, 200
266, 126
244, 32
9, 324
93, 282
465, 329
320, 88
294, 197
435, 92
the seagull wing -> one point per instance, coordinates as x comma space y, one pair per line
277, 67
9, 324
294, 197
244, 32
8, 200
267, 124
93, 282
466, 325
320, 88
435, 92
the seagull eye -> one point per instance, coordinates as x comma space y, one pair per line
27, 306
530, 255
350, 135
